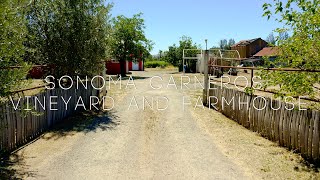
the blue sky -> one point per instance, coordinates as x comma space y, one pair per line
167, 20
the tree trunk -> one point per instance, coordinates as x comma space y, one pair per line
123, 68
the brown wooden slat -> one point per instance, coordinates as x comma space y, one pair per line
9, 128
291, 129
287, 120
32, 125
18, 126
281, 126
310, 134
268, 120
306, 134
294, 131
48, 112
302, 131
315, 140
1, 127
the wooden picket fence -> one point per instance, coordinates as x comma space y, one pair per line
20, 127
295, 129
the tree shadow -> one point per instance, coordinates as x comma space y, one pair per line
5, 171
85, 122
8, 172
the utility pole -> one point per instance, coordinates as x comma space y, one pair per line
206, 40
206, 78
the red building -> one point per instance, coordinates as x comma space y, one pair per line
113, 66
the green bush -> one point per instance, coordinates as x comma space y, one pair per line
155, 64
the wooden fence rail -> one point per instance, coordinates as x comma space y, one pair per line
296, 129
19, 127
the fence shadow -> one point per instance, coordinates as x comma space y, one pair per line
85, 122
308, 165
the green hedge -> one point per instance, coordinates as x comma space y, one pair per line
155, 64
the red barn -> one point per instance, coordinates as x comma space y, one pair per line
135, 65
113, 66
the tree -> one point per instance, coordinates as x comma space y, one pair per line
128, 39
271, 39
13, 33
172, 55
301, 50
225, 44
71, 35
231, 43
186, 43
160, 54
175, 53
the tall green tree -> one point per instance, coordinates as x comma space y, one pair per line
172, 55
226, 44
301, 50
175, 53
72, 35
160, 54
129, 41
13, 33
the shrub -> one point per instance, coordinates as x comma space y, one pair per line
155, 64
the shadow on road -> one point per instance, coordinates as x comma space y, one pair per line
84, 122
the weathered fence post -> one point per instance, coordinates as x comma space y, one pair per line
206, 77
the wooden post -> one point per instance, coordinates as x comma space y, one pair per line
183, 62
206, 78
251, 78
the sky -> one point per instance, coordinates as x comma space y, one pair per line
168, 20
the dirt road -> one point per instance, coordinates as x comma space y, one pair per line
131, 142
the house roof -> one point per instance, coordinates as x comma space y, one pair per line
245, 42
268, 51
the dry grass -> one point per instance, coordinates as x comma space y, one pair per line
168, 68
